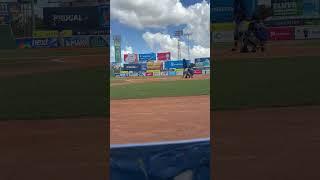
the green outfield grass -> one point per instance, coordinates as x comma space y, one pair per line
161, 89
65, 94
29, 54
255, 83
301, 43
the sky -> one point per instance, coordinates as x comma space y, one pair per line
148, 26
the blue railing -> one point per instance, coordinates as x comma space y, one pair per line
188, 160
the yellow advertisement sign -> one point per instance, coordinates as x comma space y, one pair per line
124, 72
154, 65
224, 26
47, 34
179, 70
153, 71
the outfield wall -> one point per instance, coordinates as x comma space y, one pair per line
81, 41
187, 160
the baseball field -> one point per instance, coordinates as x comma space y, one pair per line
52, 110
159, 109
266, 108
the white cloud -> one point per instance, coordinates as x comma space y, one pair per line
162, 42
148, 13
199, 23
157, 14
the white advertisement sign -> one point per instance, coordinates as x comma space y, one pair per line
130, 58
223, 36
307, 32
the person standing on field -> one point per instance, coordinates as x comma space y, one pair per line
239, 21
60, 34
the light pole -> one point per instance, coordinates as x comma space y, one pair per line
188, 38
178, 34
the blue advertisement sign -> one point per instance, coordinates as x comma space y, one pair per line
147, 57
161, 161
172, 73
311, 8
73, 18
44, 43
144, 66
175, 64
77, 41
132, 67
221, 11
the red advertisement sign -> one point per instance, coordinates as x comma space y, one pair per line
149, 73
165, 56
197, 71
131, 58
281, 33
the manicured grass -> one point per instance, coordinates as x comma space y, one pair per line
266, 83
161, 89
54, 95
29, 54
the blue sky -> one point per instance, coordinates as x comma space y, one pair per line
132, 36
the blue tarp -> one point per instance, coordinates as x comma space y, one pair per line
161, 161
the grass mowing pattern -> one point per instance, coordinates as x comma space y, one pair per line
266, 83
29, 54
65, 94
161, 89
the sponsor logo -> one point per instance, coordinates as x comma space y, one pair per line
68, 18
40, 42
77, 43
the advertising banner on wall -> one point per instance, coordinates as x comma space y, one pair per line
77, 41
71, 17
147, 57
307, 32
144, 66
154, 65
99, 41
198, 71
202, 62
221, 11
311, 8
223, 36
116, 67
164, 56
174, 64
132, 67
44, 43
287, 7
24, 43
281, 33
131, 58
47, 34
